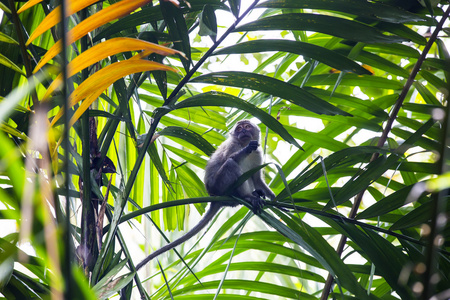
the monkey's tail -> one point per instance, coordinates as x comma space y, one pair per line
212, 211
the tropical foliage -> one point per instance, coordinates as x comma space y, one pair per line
110, 110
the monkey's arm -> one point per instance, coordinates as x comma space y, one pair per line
261, 185
244, 152
212, 211
224, 170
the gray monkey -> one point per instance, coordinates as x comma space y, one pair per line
237, 155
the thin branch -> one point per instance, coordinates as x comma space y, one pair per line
23, 48
439, 206
208, 53
148, 140
384, 135
341, 219
21, 38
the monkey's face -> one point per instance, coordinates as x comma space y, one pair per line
245, 131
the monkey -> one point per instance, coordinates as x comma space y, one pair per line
237, 155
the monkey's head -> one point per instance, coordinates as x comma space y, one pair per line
245, 131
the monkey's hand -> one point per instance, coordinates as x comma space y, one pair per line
252, 146
257, 204
259, 193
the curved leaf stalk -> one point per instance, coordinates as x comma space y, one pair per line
315, 212
21, 38
121, 201
410, 80
88, 244
266, 135
220, 285
22, 46
131, 265
385, 133
172, 96
159, 206
208, 54
148, 139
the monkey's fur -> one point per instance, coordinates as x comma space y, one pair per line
237, 155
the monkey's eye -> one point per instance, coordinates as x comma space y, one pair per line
248, 127
239, 129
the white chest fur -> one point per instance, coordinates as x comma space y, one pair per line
251, 161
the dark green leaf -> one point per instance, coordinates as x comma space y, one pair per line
376, 168
437, 63
156, 160
318, 53
177, 30
421, 108
235, 5
360, 182
388, 260
208, 22
189, 157
433, 79
245, 285
151, 14
422, 142
394, 49
274, 87
308, 238
361, 106
316, 138
342, 157
355, 80
371, 10
222, 99
420, 167
416, 217
387, 204
377, 61
109, 285
402, 31
159, 76
426, 94
334, 26
146, 15
189, 136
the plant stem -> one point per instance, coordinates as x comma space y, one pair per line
148, 139
438, 206
384, 135
88, 229
208, 53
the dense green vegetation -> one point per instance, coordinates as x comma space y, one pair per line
111, 109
